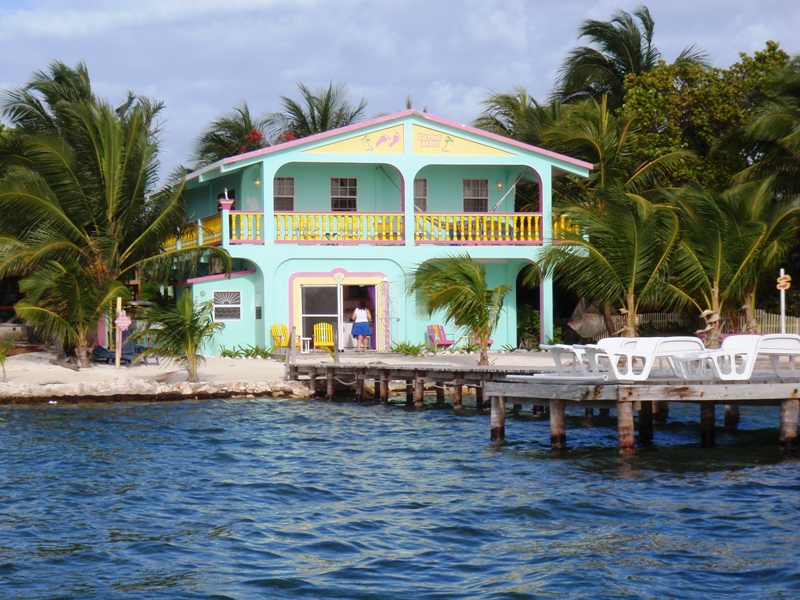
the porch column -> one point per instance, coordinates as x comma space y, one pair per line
546, 289
226, 221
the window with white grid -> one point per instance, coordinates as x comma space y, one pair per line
420, 195
344, 194
476, 195
227, 306
283, 193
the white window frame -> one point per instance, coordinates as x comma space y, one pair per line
283, 192
227, 299
344, 194
475, 195
421, 195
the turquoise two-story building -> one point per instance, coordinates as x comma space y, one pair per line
316, 225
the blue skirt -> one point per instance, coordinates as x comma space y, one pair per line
361, 328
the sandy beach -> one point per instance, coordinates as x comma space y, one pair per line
32, 377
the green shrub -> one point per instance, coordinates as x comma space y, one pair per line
408, 348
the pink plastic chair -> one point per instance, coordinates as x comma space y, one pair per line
438, 337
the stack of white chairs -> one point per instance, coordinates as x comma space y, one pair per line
623, 359
736, 358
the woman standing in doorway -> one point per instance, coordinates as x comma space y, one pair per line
361, 328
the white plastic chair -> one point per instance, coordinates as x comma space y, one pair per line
736, 358
634, 359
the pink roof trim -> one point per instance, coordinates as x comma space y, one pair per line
393, 117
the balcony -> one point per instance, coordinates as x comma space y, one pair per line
386, 229
342, 228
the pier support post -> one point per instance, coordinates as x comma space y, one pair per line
660, 412
384, 388
625, 427
604, 412
731, 417
498, 419
359, 387
479, 395
788, 434
558, 425
419, 390
458, 392
588, 412
646, 422
707, 424
330, 378
409, 391
312, 384
440, 393
538, 412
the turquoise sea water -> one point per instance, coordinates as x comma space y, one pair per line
307, 499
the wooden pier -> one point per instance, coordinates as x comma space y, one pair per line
497, 386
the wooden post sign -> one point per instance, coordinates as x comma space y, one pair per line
123, 321
784, 283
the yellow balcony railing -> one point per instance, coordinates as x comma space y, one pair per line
246, 227
339, 228
478, 228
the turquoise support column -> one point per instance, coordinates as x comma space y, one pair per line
546, 202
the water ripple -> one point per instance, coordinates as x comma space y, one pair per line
305, 499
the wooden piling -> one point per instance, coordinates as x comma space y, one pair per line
646, 422
312, 384
419, 390
731, 417
409, 391
330, 378
788, 433
384, 388
498, 419
359, 387
479, 396
538, 412
625, 427
604, 412
707, 424
660, 412
440, 393
558, 425
458, 393
588, 412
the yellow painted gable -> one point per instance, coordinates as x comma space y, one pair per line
383, 141
431, 141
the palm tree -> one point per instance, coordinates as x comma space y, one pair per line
79, 191
179, 332
518, 115
317, 111
623, 258
63, 302
772, 223
589, 130
623, 46
775, 132
457, 286
230, 134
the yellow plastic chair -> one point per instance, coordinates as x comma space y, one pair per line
323, 336
280, 337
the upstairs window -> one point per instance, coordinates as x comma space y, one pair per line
344, 194
421, 195
476, 195
283, 194
227, 306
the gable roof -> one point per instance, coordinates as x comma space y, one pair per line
324, 136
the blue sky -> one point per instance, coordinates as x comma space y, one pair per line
202, 57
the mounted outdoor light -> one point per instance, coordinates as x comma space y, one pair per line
499, 185
257, 182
